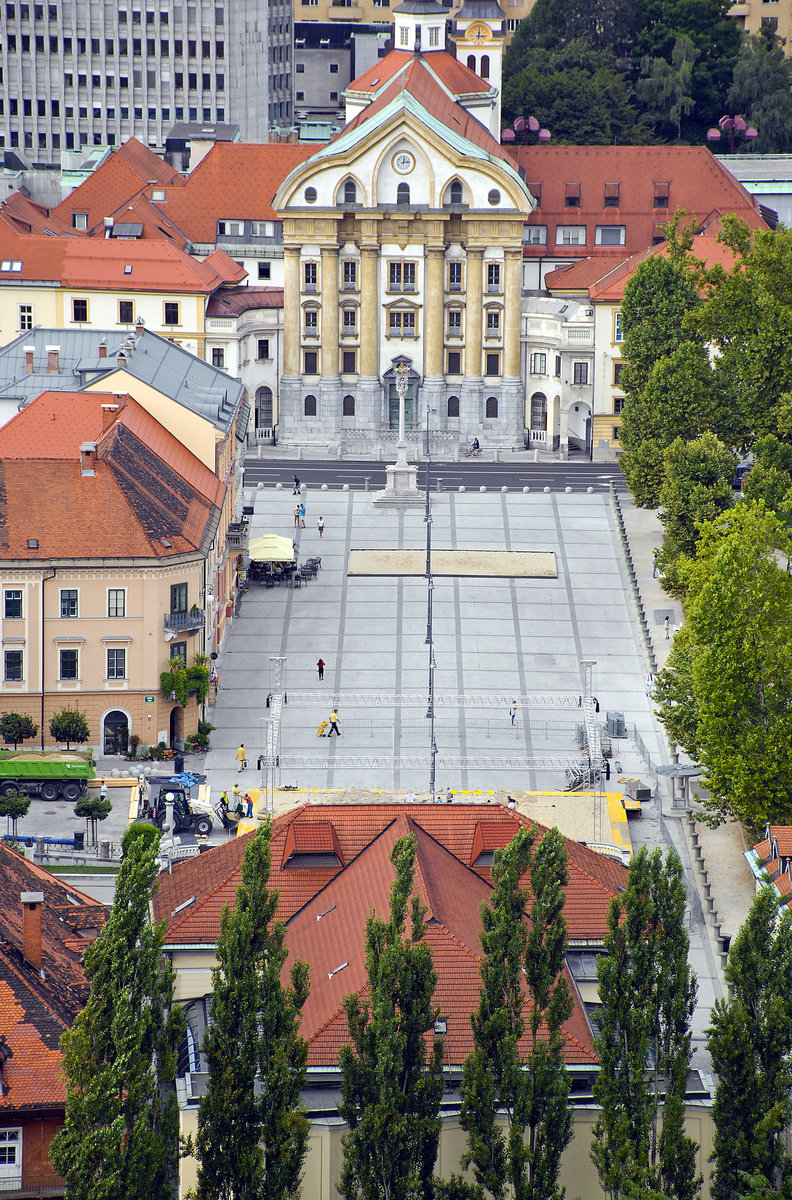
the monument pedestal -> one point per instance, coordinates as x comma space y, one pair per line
401, 488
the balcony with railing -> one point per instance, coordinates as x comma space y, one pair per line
237, 535
30, 1186
185, 622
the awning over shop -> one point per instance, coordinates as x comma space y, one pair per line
271, 548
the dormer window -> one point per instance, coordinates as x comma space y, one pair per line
661, 195
572, 197
611, 195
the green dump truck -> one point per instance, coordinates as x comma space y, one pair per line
49, 776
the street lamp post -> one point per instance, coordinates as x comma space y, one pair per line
734, 127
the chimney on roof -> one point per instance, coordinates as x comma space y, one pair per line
31, 927
53, 360
140, 325
108, 226
88, 458
103, 348
109, 414
121, 360
29, 352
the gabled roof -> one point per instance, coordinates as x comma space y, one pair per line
24, 215
36, 1006
781, 839
212, 192
146, 496
456, 76
326, 905
691, 177
418, 89
154, 360
122, 175
706, 248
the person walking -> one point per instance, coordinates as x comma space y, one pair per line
103, 790
296, 516
320, 668
302, 515
333, 724
296, 488
241, 756
513, 711
667, 624
249, 804
320, 526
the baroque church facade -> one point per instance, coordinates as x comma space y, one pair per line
403, 247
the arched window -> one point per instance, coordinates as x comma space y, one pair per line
348, 406
484, 72
309, 406
350, 192
491, 409
456, 192
263, 407
453, 406
471, 61
538, 411
403, 193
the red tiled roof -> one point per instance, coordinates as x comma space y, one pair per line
455, 75
762, 850
423, 86
782, 836
36, 1007
148, 498
24, 215
213, 191
326, 906
119, 178
706, 248
580, 276
696, 182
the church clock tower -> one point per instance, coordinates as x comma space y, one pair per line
479, 36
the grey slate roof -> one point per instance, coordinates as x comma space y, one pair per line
483, 9
421, 8
154, 360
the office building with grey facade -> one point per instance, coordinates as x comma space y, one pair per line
81, 73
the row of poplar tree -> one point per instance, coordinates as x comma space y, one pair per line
121, 1137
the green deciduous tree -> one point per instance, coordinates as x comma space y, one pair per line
69, 725
654, 313
666, 88
120, 1139
16, 728
697, 487
750, 1040
252, 1132
647, 994
523, 991
729, 672
391, 1086
762, 91
94, 809
14, 805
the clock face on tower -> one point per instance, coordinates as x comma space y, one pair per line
478, 32
403, 162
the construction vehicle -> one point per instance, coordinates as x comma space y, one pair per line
48, 775
189, 815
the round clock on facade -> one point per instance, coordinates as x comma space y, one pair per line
403, 162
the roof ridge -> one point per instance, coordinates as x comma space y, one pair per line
339, 1012
341, 870
442, 927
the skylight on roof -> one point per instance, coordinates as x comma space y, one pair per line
10, 264
128, 269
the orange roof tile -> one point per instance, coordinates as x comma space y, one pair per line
696, 182
24, 215
706, 249
212, 191
326, 906
116, 181
762, 850
148, 497
781, 835
452, 73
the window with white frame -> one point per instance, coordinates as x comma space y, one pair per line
539, 363
401, 276
116, 602
25, 316
310, 275
404, 36
350, 274
455, 322
10, 1157
349, 321
570, 235
116, 664
230, 228
13, 666
311, 322
68, 602
580, 372
455, 277
434, 35
493, 322
262, 228
534, 235
493, 277
402, 322
618, 333
610, 235
12, 607
69, 665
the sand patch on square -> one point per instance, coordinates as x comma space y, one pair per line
493, 564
